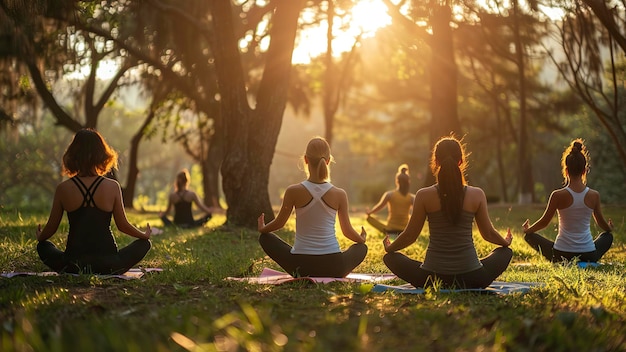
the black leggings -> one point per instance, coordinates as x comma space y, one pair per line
195, 223
546, 248
117, 263
324, 265
411, 271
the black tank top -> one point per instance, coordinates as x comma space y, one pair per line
90, 227
182, 211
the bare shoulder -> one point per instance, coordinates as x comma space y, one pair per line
337, 190
593, 192
295, 188
474, 191
427, 191
110, 183
560, 194
593, 195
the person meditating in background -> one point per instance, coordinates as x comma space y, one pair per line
450, 206
90, 200
398, 202
181, 201
575, 204
317, 202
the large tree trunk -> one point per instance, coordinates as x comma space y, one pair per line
250, 136
128, 192
211, 171
443, 80
526, 182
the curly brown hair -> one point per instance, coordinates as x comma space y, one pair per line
88, 155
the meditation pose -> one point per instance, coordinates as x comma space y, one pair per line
90, 199
181, 200
450, 206
317, 202
398, 202
575, 204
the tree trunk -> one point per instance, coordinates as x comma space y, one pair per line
250, 136
128, 192
443, 81
526, 183
210, 172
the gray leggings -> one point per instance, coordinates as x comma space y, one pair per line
301, 265
546, 248
411, 271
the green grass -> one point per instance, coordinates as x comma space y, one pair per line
191, 307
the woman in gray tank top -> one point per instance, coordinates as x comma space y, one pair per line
451, 207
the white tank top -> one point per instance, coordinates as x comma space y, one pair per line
574, 230
315, 223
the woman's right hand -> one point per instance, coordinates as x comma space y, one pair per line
509, 236
526, 225
363, 234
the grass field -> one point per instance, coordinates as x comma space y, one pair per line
189, 306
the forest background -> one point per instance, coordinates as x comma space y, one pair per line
233, 90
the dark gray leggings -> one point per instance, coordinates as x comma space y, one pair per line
300, 265
546, 248
117, 263
410, 270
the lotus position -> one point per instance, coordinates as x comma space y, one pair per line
450, 206
317, 203
90, 200
398, 202
575, 204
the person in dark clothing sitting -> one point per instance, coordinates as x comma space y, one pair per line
181, 200
90, 200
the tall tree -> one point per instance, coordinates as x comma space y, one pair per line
591, 35
443, 68
251, 134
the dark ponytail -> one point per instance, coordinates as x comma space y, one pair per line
448, 166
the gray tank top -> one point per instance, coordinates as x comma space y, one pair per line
451, 247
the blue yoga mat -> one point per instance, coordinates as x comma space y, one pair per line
497, 287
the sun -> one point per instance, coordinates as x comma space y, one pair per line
365, 18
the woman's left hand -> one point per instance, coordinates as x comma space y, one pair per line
386, 243
38, 231
261, 222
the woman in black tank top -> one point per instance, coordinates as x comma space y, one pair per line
181, 200
90, 201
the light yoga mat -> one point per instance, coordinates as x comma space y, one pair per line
134, 273
274, 277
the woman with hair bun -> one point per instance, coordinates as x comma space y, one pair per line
317, 203
398, 201
451, 207
575, 204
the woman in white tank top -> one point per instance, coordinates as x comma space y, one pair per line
317, 203
575, 204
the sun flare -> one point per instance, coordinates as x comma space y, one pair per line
364, 19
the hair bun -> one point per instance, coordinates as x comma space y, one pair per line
577, 147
